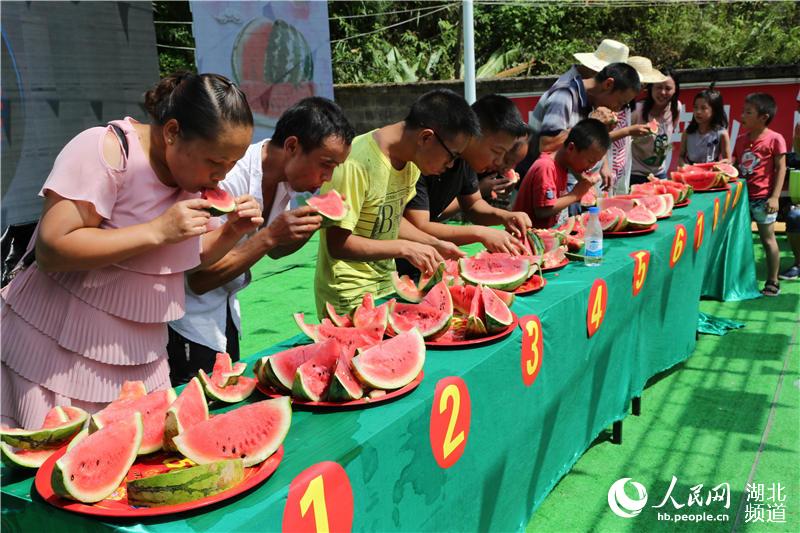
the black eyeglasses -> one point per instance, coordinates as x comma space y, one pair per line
453, 156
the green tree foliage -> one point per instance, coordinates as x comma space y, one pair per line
380, 41
176, 35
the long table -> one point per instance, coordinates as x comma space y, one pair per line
536, 400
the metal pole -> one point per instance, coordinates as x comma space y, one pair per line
469, 52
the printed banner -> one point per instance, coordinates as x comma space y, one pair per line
277, 52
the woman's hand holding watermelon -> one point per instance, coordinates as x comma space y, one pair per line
247, 216
638, 130
183, 220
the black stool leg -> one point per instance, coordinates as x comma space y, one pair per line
616, 436
636, 406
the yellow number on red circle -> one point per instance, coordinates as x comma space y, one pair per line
641, 262
699, 227
532, 348
678, 245
320, 500
716, 215
598, 299
450, 420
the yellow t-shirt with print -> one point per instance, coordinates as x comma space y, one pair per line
377, 194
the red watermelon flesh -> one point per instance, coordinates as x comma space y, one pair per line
221, 201
330, 205
653, 126
405, 288
189, 409
428, 320
589, 199
309, 330
225, 372
344, 385
153, 408
476, 326
342, 321
451, 273
699, 181
553, 258
280, 368
568, 226
656, 204
462, 297
626, 204
393, 363
729, 170
574, 244
439, 298
313, 378
95, 467
352, 338
609, 219
132, 389
365, 317
495, 270
550, 239
252, 433
498, 315
640, 218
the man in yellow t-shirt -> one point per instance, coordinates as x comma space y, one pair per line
356, 254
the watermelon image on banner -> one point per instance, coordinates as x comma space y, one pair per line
273, 64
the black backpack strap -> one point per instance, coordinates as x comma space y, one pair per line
123, 139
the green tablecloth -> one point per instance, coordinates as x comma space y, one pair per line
521, 440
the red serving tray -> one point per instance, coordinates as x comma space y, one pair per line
559, 266
471, 343
631, 233
715, 189
682, 204
353, 404
533, 284
117, 505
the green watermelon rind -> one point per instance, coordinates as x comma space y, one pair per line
65, 487
339, 391
403, 292
229, 394
426, 283
508, 284
370, 379
44, 437
191, 451
18, 458
185, 485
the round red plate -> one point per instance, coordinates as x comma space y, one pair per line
117, 505
353, 404
471, 343
559, 266
682, 204
631, 233
533, 284
665, 216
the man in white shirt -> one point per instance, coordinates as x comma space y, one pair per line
311, 138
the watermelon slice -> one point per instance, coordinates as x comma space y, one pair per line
699, 181
405, 288
476, 327
657, 204
330, 205
730, 171
225, 372
19, 458
652, 126
609, 219
221, 201
367, 315
153, 408
252, 433
428, 320
439, 298
189, 409
589, 199
131, 390
426, 281
451, 273
56, 419
495, 270
352, 338
235, 393
61, 424
552, 259
309, 330
94, 468
279, 369
185, 485
344, 385
312, 379
393, 363
342, 321
640, 218
626, 204
498, 315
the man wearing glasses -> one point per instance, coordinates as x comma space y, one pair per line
356, 254
501, 126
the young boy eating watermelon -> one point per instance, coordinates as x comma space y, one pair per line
356, 254
543, 193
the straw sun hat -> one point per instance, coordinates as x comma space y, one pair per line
611, 51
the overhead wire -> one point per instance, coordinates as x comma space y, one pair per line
448, 6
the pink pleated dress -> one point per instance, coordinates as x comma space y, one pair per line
73, 338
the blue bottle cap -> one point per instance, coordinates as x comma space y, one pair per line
594, 210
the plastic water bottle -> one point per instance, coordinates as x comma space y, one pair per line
593, 253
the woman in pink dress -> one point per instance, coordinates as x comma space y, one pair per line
122, 221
